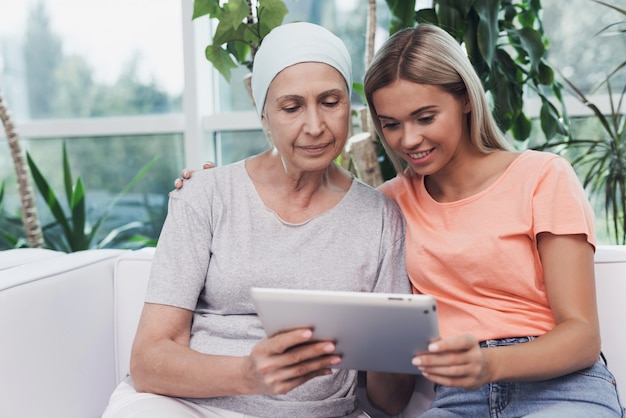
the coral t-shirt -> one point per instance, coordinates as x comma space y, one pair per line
478, 256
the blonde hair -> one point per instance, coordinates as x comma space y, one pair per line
429, 55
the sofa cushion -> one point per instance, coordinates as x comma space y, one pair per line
610, 269
132, 270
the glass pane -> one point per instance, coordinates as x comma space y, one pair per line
578, 50
106, 166
231, 146
71, 58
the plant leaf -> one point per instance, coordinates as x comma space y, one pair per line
221, 60
204, 7
532, 43
451, 18
423, 16
358, 88
227, 32
114, 233
547, 117
121, 194
505, 90
233, 13
49, 196
67, 175
270, 14
2, 186
521, 127
551, 123
487, 29
78, 205
545, 74
239, 50
402, 14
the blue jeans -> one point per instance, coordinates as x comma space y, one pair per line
586, 393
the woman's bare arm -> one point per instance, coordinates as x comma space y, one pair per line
573, 344
162, 361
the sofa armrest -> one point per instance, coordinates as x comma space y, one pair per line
57, 355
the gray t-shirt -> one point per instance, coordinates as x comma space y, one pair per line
219, 239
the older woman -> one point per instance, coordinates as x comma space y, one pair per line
288, 217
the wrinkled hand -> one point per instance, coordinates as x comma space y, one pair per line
287, 360
455, 361
186, 174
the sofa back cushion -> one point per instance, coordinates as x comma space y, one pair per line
18, 256
610, 268
132, 270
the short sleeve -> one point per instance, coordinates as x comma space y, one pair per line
392, 275
560, 204
181, 258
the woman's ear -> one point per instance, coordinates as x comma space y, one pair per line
266, 129
265, 123
467, 104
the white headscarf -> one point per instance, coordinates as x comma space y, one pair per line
292, 44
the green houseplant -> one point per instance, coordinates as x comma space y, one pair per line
601, 159
77, 231
240, 30
506, 44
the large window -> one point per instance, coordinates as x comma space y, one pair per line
85, 59
120, 82
106, 79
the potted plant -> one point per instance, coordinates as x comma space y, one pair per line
77, 232
601, 159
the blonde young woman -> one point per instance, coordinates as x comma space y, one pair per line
504, 241
288, 217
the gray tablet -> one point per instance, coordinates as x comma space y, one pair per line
372, 331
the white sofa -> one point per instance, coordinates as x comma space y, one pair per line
67, 322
